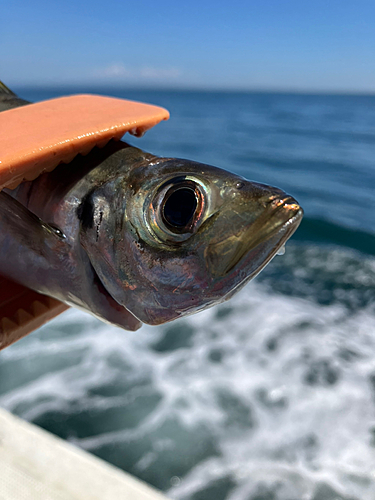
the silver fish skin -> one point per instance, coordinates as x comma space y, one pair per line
132, 238
129, 236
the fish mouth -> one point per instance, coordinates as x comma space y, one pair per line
249, 251
277, 240
247, 266
252, 241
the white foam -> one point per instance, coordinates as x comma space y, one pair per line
265, 377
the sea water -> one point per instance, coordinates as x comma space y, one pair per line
270, 396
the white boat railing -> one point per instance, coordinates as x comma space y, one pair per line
36, 465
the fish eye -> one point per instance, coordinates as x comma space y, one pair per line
179, 208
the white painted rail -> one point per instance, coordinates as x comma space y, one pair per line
35, 465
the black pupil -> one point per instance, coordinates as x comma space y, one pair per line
180, 207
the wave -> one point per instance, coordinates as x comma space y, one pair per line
270, 395
323, 231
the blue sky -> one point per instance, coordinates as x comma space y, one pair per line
300, 45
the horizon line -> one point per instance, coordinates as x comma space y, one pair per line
160, 88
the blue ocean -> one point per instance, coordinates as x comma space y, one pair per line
270, 396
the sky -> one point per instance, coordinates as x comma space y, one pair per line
276, 45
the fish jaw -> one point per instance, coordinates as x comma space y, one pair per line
256, 242
255, 259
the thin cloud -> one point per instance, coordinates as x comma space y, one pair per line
119, 71
112, 71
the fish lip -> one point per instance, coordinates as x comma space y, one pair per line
293, 222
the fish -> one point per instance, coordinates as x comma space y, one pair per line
134, 238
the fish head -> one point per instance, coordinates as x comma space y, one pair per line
177, 236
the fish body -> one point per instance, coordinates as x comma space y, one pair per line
132, 238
